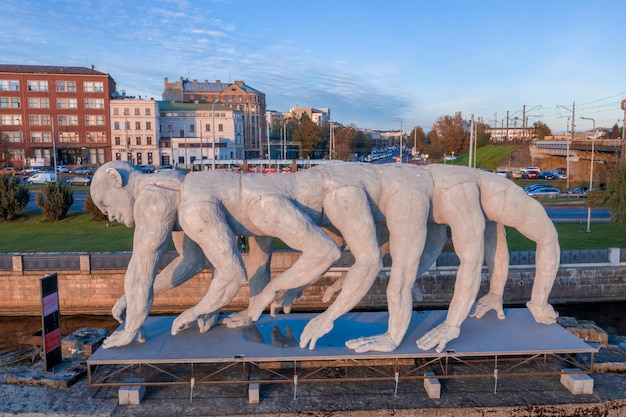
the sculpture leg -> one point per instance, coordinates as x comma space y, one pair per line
189, 263
407, 230
497, 260
206, 224
279, 217
349, 210
259, 259
468, 238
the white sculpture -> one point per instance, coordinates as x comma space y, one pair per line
210, 206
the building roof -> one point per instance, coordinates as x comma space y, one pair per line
216, 87
49, 69
178, 106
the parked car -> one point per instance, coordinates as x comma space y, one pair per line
503, 173
8, 171
546, 175
535, 187
559, 174
82, 170
530, 174
148, 169
42, 178
63, 169
516, 174
577, 192
545, 192
165, 168
79, 180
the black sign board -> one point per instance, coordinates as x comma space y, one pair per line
51, 321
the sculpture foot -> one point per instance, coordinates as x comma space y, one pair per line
438, 337
316, 328
379, 343
240, 319
285, 302
486, 303
207, 321
119, 309
123, 338
257, 304
183, 321
543, 313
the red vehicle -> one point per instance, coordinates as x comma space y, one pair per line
531, 174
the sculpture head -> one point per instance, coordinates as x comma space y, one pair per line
111, 191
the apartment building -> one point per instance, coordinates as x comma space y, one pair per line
135, 130
188, 132
55, 112
238, 96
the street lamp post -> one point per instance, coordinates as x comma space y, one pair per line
593, 141
213, 131
401, 134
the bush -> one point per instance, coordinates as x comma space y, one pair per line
13, 196
55, 200
91, 208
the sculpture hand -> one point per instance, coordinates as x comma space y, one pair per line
488, 302
122, 338
239, 319
183, 321
316, 328
438, 337
119, 309
543, 313
330, 291
379, 343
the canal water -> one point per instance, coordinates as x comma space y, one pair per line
609, 316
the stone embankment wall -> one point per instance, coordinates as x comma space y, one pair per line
91, 283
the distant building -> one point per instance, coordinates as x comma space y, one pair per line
43, 108
134, 130
187, 131
238, 96
318, 116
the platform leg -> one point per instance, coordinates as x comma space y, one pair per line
254, 390
432, 386
295, 386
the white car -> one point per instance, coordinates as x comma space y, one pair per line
63, 169
42, 178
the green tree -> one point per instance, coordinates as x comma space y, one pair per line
13, 196
309, 136
614, 195
55, 200
90, 207
541, 130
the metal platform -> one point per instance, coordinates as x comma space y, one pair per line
268, 352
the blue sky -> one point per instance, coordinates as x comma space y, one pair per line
367, 60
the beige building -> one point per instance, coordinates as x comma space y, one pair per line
134, 134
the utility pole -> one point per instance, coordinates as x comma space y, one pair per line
524, 123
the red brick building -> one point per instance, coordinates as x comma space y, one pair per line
44, 109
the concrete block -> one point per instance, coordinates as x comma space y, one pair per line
576, 383
131, 394
254, 391
432, 386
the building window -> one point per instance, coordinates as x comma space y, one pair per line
118, 141
62, 120
118, 156
192, 128
148, 125
220, 127
147, 111
207, 127
73, 120
150, 161
137, 125
38, 103
90, 120
100, 120
90, 103
116, 111
4, 85
116, 125
14, 85
138, 141
67, 103
88, 87
93, 87
139, 160
72, 103
149, 141
137, 111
